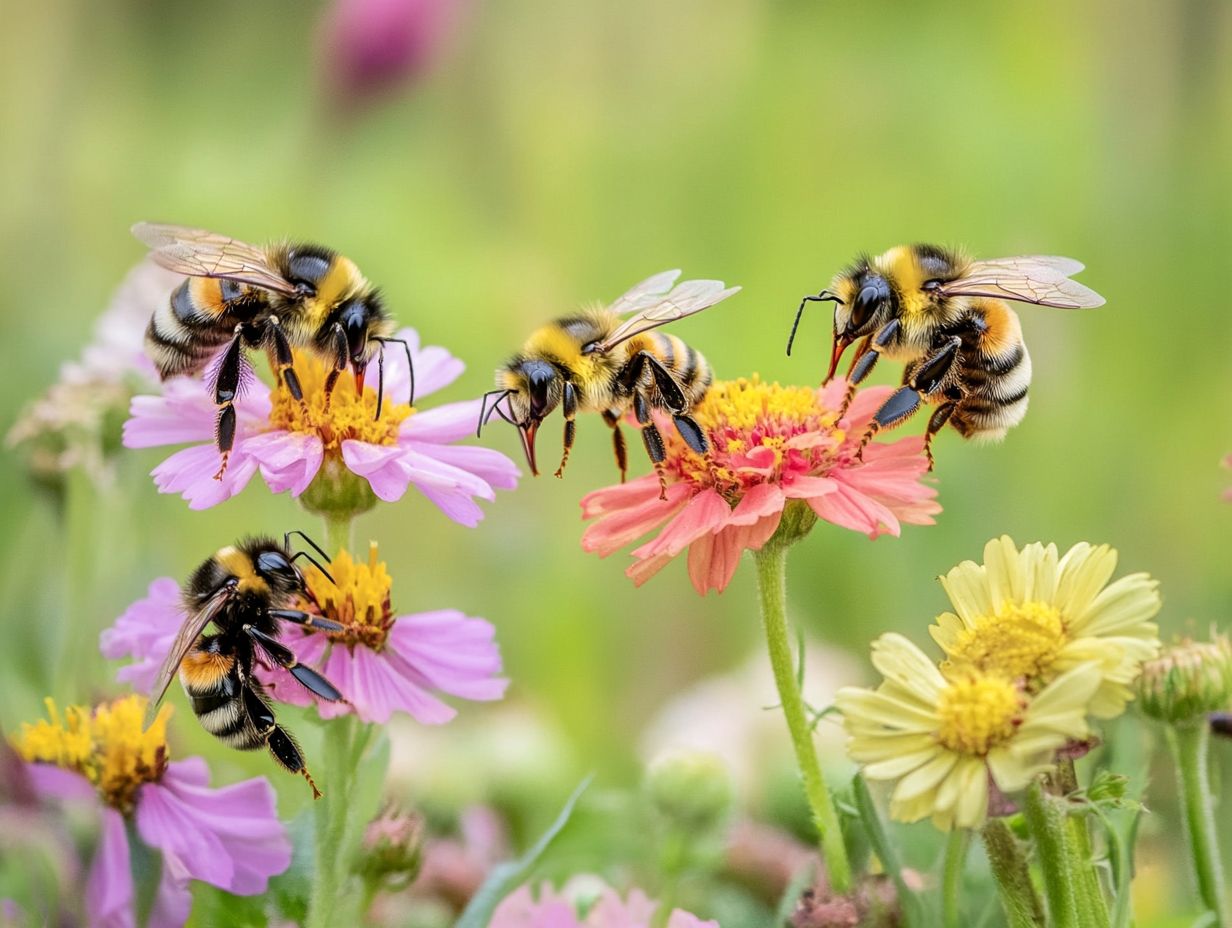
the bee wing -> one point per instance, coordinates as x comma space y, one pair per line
184, 639
644, 294
685, 299
1040, 279
198, 253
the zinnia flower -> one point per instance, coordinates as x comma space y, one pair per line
344, 452
1030, 615
228, 837
944, 739
521, 909
381, 662
770, 446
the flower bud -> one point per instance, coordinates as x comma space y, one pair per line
392, 846
692, 789
1188, 680
337, 493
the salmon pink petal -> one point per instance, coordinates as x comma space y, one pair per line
617, 529
805, 487
713, 560
706, 512
762, 500
860, 413
621, 496
852, 509
644, 569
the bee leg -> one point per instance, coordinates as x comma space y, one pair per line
338, 337
652, 439
923, 380
867, 355
226, 389
568, 407
287, 753
674, 400
936, 423
618, 443
284, 365
283, 657
306, 619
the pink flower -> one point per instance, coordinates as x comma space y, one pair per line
382, 663
294, 450
102, 760
521, 909
770, 445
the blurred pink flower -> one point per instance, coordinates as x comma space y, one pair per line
404, 448
522, 909
769, 446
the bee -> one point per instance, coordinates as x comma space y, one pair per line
266, 297
944, 315
598, 362
246, 590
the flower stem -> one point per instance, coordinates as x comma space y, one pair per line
1088, 893
1009, 866
1046, 820
1189, 743
771, 563
339, 534
328, 901
951, 877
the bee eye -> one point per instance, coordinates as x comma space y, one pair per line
931, 285
273, 564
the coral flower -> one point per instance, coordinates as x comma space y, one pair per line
944, 739
1032, 615
381, 662
769, 446
550, 909
343, 451
229, 837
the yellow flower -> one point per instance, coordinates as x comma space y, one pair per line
945, 738
108, 746
1030, 615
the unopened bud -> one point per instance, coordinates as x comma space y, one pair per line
392, 846
1188, 680
691, 789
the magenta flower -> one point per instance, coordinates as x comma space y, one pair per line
521, 909
295, 449
382, 663
102, 759
769, 447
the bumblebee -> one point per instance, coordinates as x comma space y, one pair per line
945, 317
266, 297
600, 362
245, 590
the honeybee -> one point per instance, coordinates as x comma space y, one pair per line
943, 315
597, 362
246, 591
270, 297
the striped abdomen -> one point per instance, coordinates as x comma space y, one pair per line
200, 317
995, 372
690, 368
215, 687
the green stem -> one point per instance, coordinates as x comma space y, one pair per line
951, 877
1009, 866
1046, 819
771, 563
339, 534
1088, 893
328, 899
1189, 743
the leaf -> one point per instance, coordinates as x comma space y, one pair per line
911, 905
292, 888
504, 877
791, 896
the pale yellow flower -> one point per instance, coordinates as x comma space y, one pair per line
945, 738
1032, 615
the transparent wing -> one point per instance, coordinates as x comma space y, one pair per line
1040, 279
647, 293
198, 253
685, 299
184, 639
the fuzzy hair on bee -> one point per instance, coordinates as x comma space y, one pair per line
945, 317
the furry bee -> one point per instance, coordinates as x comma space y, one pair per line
944, 315
245, 590
267, 297
598, 362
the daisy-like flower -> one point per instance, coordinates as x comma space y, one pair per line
381, 662
1032, 615
946, 739
770, 446
550, 909
101, 758
340, 456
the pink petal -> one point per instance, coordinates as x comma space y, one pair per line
762, 500
488, 464
706, 512
53, 782
644, 513
376, 689
849, 508
288, 460
109, 886
442, 424
190, 473
806, 487
173, 899
713, 559
448, 651
621, 496
647, 567
145, 633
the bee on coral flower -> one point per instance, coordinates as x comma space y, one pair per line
246, 591
944, 315
267, 297
598, 362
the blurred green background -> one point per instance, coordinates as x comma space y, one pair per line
557, 153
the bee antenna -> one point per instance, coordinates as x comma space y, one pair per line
485, 412
286, 543
315, 563
410, 363
822, 297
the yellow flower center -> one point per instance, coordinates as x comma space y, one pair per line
107, 746
349, 416
358, 598
977, 714
1020, 640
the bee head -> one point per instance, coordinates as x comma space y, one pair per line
535, 390
356, 316
866, 309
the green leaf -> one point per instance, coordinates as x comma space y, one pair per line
791, 896
911, 905
292, 888
505, 877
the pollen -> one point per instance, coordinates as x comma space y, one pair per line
978, 713
358, 598
349, 415
1019, 641
106, 745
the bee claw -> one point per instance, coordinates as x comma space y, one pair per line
222, 468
